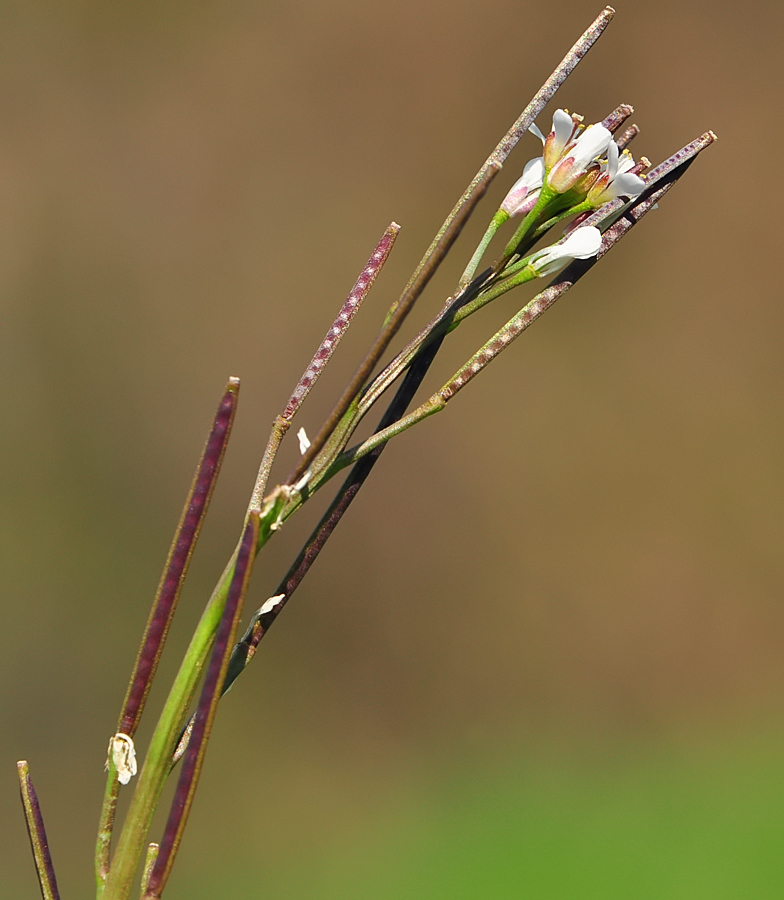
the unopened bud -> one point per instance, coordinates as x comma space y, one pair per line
582, 243
525, 190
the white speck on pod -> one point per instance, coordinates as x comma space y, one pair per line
304, 480
304, 443
270, 604
123, 754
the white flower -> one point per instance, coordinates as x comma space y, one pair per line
616, 180
123, 755
577, 157
558, 139
582, 243
522, 197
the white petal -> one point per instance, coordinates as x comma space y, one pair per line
625, 162
612, 160
626, 185
563, 126
592, 143
582, 243
531, 180
534, 129
534, 172
532, 177
548, 264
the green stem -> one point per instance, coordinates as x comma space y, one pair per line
149, 862
523, 275
436, 330
546, 196
492, 229
438, 327
105, 826
163, 608
157, 764
205, 715
330, 462
430, 407
322, 466
279, 428
542, 229
438, 401
39, 843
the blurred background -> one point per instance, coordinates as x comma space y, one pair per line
543, 654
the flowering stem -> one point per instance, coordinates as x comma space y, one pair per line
543, 96
392, 423
156, 766
37, 833
460, 307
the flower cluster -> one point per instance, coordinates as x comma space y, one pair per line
580, 169
586, 161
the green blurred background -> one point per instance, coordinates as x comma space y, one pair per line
542, 656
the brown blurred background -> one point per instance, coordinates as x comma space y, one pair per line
584, 567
